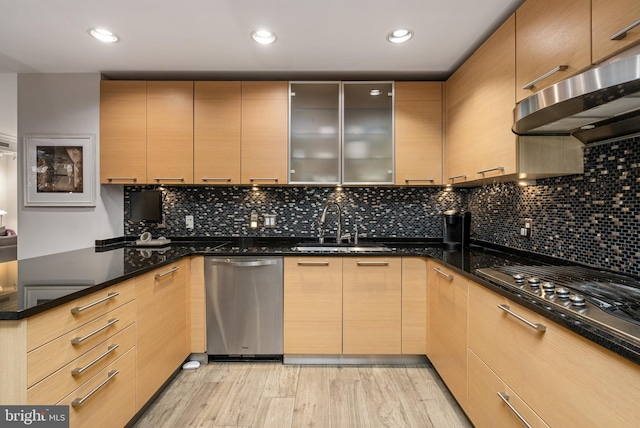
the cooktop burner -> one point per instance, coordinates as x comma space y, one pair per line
610, 300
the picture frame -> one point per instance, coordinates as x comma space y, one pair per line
59, 170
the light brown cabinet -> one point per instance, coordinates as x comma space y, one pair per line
562, 376
265, 132
608, 20
414, 305
217, 113
418, 133
162, 339
313, 305
447, 300
123, 132
554, 42
169, 132
372, 305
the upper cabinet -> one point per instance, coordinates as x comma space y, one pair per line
314, 134
341, 133
123, 132
217, 109
264, 132
553, 39
170, 132
418, 133
615, 26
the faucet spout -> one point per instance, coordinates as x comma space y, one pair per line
323, 219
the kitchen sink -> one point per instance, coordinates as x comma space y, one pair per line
332, 247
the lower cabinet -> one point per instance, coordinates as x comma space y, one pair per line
162, 338
447, 300
564, 378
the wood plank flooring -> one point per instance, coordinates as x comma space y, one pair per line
274, 395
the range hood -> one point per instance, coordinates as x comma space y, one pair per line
598, 104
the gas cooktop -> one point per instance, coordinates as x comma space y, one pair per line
612, 301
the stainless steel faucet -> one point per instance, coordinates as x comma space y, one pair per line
323, 219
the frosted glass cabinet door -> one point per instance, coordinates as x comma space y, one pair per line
314, 134
368, 132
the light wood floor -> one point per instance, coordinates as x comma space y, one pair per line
276, 395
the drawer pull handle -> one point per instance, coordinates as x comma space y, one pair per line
79, 309
409, 180
313, 263
110, 179
497, 168
80, 401
78, 340
169, 179
623, 33
544, 76
449, 277
372, 263
169, 272
79, 370
539, 327
227, 179
263, 179
504, 397
457, 176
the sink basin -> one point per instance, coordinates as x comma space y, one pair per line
316, 247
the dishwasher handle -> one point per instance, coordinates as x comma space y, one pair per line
244, 263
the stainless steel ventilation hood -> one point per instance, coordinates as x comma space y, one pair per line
599, 104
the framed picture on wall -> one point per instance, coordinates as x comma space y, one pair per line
59, 170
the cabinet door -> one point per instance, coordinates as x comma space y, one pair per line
459, 139
551, 34
608, 18
264, 132
561, 375
447, 297
487, 395
170, 132
372, 306
216, 132
414, 305
368, 133
494, 101
418, 129
123, 132
161, 341
312, 305
314, 135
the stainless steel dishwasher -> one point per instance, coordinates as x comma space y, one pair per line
244, 306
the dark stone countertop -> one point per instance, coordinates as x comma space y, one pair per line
48, 281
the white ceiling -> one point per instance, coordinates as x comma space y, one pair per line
338, 39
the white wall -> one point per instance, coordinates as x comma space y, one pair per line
64, 104
8, 165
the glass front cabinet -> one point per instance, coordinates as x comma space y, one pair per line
341, 132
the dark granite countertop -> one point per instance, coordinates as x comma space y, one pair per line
45, 282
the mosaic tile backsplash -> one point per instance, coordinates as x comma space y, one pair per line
411, 212
593, 218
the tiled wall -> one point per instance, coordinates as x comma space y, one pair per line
413, 212
592, 218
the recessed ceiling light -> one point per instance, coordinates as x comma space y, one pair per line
103, 35
375, 92
264, 37
400, 35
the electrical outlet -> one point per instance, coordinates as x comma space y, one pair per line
188, 220
526, 228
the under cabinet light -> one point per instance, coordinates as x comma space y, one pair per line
103, 35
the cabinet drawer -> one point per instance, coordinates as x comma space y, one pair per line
48, 325
112, 403
486, 408
48, 358
61, 383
